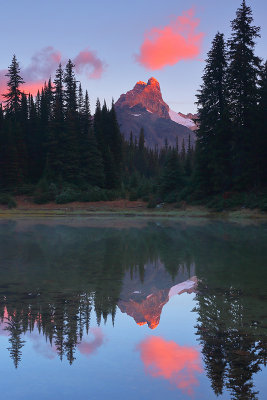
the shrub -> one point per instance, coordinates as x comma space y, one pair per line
7, 200
133, 196
93, 194
112, 195
152, 203
4, 198
11, 203
68, 195
42, 198
171, 197
26, 189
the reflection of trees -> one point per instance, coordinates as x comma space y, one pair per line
14, 327
231, 301
231, 349
59, 275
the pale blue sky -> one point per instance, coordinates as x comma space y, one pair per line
115, 31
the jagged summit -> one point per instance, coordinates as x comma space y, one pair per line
144, 107
147, 95
153, 82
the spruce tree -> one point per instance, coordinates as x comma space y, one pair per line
35, 145
13, 95
172, 177
91, 163
56, 137
188, 165
116, 143
243, 73
213, 147
261, 130
71, 151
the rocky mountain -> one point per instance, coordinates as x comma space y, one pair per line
148, 95
144, 107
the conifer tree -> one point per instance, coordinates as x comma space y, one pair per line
213, 135
91, 163
57, 133
71, 151
244, 67
35, 145
172, 179
98, 129
13, 96
188, 165
116, 142
261, 130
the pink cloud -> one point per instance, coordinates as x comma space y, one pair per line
88, 348
3, 82
172, 43
44, 63
177, 364
87, 62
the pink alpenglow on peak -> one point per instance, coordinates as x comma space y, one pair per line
148, 95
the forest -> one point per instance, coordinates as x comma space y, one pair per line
54, 150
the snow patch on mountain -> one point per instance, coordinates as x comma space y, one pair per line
176, 117
187, 286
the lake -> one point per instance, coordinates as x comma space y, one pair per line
126, 308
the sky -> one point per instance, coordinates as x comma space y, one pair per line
116, 43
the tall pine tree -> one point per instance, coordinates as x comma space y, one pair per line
243, 73
213, 149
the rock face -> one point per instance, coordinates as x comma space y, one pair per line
144, 107
148, 95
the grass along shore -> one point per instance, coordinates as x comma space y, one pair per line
25, 207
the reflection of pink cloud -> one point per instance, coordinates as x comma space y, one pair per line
172, 43
3, 324
41, 346
87, 62
88, 348
178, 364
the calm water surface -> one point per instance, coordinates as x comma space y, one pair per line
133, 309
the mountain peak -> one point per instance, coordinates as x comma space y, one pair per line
153, 82
141, 83
144, 107
148, 95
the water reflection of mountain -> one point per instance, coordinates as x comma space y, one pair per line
54, 276
144, 299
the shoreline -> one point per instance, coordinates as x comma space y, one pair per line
122, 208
